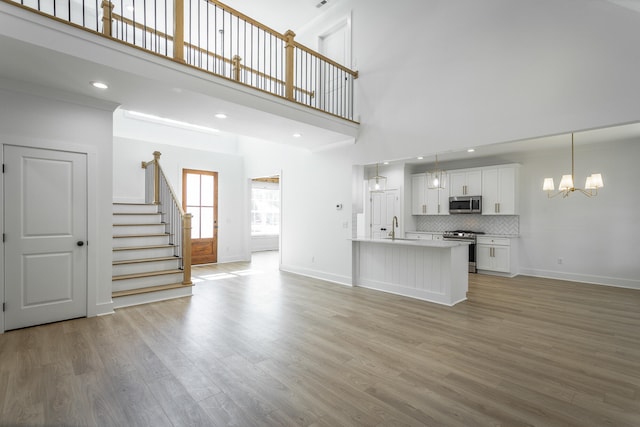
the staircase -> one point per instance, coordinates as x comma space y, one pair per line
145, 268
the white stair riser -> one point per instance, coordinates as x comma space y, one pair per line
135, 208
137, 219
129, 300
123, 242
119, 230
142, 253
144, 267
145, 282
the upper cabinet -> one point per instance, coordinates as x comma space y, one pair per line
428, 201
438, 198
499, 195
466, 182
419, 194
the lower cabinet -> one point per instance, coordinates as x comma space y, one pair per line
494, 254
417, 236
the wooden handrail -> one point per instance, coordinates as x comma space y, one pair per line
344, 110
283, 37
139, 26
324, 58
247, 18
185, 218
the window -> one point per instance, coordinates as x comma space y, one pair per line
265, 209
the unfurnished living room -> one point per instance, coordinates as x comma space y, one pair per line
340, 212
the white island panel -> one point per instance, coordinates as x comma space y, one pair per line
435, 271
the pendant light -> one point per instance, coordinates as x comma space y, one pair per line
377, 183
436, 179
566, 187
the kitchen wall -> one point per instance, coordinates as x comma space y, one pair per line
488, 224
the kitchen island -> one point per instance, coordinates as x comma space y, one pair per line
435, 271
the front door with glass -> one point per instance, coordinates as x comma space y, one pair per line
200, 198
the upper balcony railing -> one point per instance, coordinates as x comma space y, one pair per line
211, 36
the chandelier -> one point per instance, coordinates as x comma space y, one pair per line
377, 183
566, 187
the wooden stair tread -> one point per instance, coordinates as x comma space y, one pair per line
122, 236
149, 274
139, 261
137, 213
136, 248
143, 225
134, 204
149, 289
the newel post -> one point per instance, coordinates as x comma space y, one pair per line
236, 67
107, 13
186, 248
156, 178
289, 73
178, 30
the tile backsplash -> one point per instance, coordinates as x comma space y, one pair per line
489, 224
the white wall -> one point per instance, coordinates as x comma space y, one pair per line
40, 117
596, 238
440, 75
128, 186
314, 239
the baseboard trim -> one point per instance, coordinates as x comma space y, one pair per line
584, 278
317, 274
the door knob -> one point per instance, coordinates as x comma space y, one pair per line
80, 243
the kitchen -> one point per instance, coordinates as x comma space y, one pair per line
572, 238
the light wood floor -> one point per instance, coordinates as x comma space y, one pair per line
257, 347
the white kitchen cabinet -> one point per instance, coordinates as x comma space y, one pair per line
419, 194
493, 254
417, 236
466, 182
428, 201
499, 190
437, 198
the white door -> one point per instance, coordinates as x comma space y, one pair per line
384, 206
45, 214
335, 44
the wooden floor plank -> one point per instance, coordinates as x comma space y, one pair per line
257, 347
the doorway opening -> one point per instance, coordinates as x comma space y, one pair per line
265, 214
200, 199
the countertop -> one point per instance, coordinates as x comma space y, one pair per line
510, 236
412, 242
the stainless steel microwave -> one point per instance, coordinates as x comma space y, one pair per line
465, 204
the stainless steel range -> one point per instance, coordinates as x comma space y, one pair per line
465, 236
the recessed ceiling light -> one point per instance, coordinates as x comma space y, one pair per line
297, 135
471, 150
221, 116
129, 8
99, 85
385, 163
420, 157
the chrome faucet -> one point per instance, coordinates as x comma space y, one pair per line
394, 224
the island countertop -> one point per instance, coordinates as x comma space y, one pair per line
413, 242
